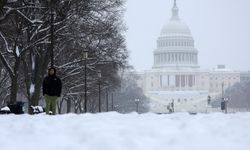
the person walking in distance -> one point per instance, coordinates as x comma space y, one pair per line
52, 88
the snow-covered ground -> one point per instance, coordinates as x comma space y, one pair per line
113, 131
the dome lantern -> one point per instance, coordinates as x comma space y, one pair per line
175, 11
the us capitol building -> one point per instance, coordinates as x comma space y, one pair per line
176, 76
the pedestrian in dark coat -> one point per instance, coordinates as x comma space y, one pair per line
52, 88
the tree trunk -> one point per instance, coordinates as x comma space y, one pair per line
60, 106
34, 99
68, 106
41, 64
14, 82
14, 88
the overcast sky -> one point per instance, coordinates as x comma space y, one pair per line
220, 28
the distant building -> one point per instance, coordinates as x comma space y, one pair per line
176, 75
245, 76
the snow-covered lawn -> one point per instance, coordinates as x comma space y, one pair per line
113, 131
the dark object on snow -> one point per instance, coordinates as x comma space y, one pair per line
223, 105
37, 109
5, 110
192, 113
17, 108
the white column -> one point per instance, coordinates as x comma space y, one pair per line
186, 80
183, 57
162, 55
176, 57
186, 58
194, 81
189, 56
165, 59
168, 58
172, 58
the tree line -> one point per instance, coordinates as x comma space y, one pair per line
33, 31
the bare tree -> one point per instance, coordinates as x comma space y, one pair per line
29, 30
130, 96
97, 28
4, 86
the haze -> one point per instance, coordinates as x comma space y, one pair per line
221, 30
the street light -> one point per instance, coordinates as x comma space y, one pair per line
107, 100
224, 100
208, 103
226, 103
112, 101
99, 83
85, 57
208, 100
52, 13
172, 105
137, 104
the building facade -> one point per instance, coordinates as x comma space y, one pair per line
176, 76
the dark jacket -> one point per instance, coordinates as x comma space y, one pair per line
52, 86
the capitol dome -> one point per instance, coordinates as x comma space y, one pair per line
175, 45
175, 27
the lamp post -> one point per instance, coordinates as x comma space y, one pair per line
208, 102
223, 99
85, 57
52, 13
137, 104
107, 100
226, 105
99, 83
172, 105
112, 101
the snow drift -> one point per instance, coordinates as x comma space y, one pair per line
113, 131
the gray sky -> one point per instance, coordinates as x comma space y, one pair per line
220, 28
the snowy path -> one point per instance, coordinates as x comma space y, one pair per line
113, 131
